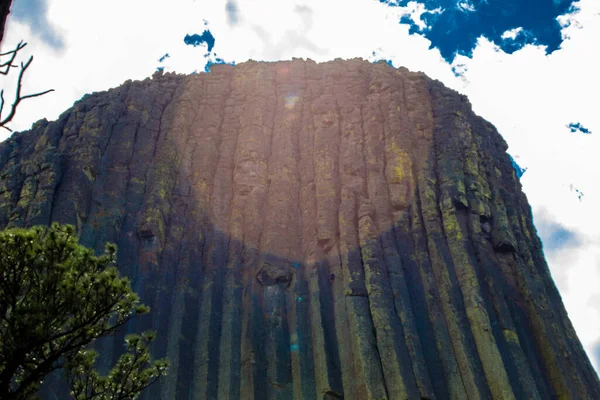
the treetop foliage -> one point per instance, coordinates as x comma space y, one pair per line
57, 297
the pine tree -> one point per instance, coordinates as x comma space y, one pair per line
56, 298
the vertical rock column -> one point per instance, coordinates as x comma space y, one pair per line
302, 230
322, 254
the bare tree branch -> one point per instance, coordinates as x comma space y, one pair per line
20, 45
9, 63
18, 97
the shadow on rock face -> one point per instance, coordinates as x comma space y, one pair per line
302, 230
275, 272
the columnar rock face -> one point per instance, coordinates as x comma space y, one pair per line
308, 231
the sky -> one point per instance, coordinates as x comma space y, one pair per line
530, 67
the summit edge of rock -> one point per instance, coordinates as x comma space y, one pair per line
307, 231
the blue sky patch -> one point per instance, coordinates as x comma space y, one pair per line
554, 235
232, 11
207, 38
33, 13
217, 61
196, 40
518, 169
375, 58
459, 70
577, 127
454, 26
163, 58
559, 237
388, 62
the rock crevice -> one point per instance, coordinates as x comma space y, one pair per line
302, 230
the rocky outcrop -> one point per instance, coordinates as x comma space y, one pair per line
303, 231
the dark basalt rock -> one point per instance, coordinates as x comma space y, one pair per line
4, 11
303, 231
275, 273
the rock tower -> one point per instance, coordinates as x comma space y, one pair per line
307, 231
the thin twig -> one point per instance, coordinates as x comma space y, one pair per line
20, 45
18, 97
9, 63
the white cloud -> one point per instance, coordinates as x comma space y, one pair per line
465, 6
529, 96
415, 10
512, 33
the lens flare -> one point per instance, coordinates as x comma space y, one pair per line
290, 101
